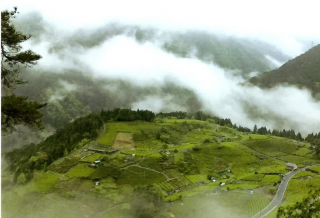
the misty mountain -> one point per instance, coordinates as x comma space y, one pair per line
302, 71
230, 52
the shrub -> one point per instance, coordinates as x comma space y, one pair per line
272, 190
175, 151
207, 140
196, 148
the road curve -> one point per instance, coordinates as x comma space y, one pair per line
280, 192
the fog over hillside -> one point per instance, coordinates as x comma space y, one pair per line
143, 50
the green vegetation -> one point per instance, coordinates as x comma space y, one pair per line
271, 179
255, 204
170, 168
303, 174
272, 147
301, 71
80, 170
15, 109
140, 176
317, 169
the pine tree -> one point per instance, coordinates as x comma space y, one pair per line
15, 109
255, 128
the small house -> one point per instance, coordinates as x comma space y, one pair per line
167, 152
97, 162
228, 171
222, 184
133, 155
97, 183
291, 166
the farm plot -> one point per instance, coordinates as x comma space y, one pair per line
303, 151
256, 203
270, 179
272, 147
112, 130
93, 157
64, 166
80, 170
299, 189
139, 176
197, 178
123, 141
43, 182
298, 160
254, 177
303, 174
317, 169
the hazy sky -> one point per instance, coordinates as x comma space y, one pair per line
248, 17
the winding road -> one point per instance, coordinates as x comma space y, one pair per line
280, 192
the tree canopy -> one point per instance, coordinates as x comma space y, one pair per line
16, 110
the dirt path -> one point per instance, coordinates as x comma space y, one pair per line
280, 192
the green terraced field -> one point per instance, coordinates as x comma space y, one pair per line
303, 151
256, 203
317, 169
303, 174
270, 179
272, 147
80, 170
254, 177
138, 176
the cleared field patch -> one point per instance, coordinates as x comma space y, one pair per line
139, 176
80, 170
256, 203
270, 179
123, 141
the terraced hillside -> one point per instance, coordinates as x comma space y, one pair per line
173, 160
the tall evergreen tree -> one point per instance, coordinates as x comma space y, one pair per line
255, 129
15, 109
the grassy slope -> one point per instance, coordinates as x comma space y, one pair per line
249, 157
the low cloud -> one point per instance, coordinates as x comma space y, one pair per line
147, 64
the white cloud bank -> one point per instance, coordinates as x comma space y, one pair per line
146, 64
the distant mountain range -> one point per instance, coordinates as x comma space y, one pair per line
302, 71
